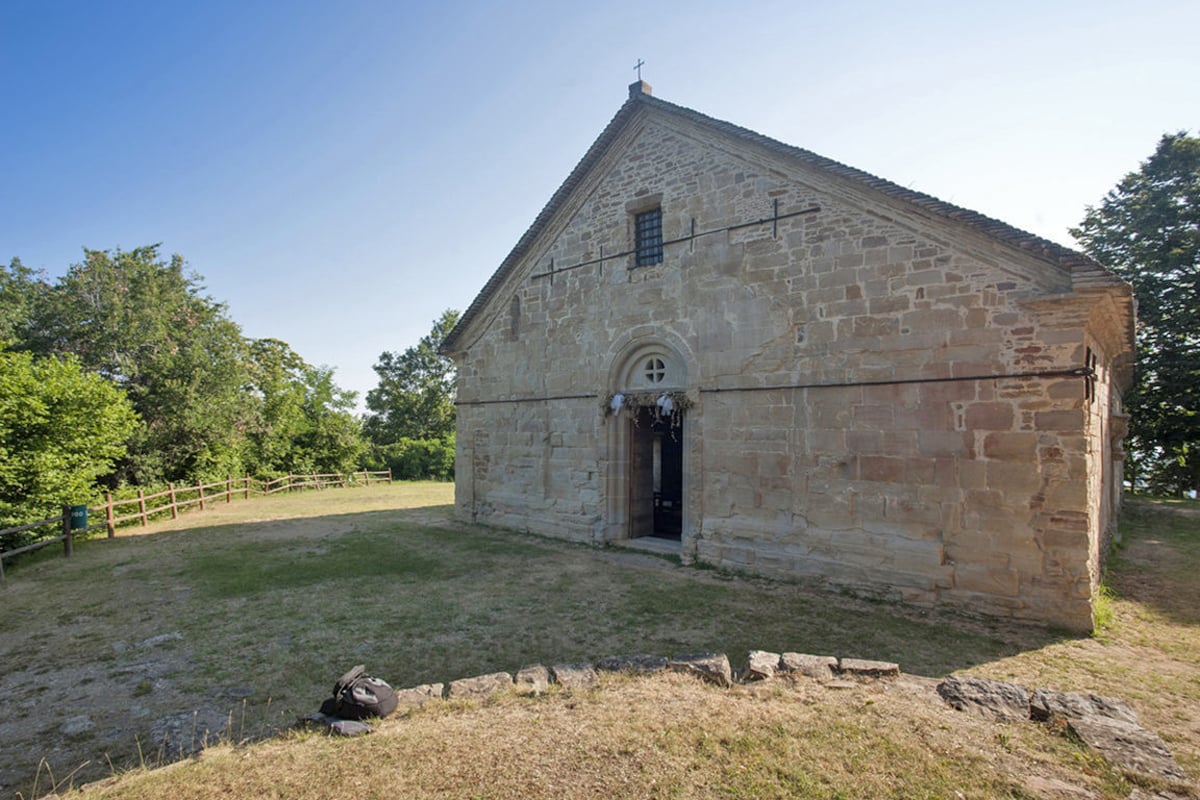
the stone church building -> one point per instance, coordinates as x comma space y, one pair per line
782, 365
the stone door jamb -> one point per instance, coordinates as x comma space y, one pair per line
648, 359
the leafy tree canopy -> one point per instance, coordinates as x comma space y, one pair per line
415, 395
144, 324
20, 292
210, 402
1147, 229
304, 421
61, 428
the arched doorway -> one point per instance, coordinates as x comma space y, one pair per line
648, 446
655, 474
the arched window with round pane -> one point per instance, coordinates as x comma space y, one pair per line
655, 370
651, 367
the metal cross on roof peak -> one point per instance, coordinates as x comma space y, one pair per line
638, 67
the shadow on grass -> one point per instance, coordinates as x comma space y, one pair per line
432, 600
1158, 558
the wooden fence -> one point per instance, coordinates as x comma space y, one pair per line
180, 498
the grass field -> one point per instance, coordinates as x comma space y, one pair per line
236, 622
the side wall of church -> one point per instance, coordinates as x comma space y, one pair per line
914, 456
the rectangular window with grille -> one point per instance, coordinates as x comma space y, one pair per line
648, 238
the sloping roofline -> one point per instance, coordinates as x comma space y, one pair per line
1083, 270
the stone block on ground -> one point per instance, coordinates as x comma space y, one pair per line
1110, 727
417, 696
1006, 701
712, 667
819, 667
636, 664
574, 676
1128, 746
532, 680
1047, 705
479, 686
761, 665
862, 668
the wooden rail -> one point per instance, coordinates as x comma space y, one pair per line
181, 498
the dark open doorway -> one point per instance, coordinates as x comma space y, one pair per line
655, 475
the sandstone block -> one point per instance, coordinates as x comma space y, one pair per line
1128, 746
479, 686
1058, 420
712, 667
862, 668
944, 443
973, 577
418, 696
1010, 477
888, 305
882, 469
574, 676
990, 416
1006, 701
819, 667
1010, 446
532, 680
761, 665
1047, 705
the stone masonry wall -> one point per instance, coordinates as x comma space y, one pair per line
896, 470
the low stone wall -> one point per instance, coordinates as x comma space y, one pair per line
1106, 724
712, 667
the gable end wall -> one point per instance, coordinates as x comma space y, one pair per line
895, 473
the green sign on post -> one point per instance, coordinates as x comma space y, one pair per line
79, 518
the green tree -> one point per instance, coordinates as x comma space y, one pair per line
145, 325
61, 428
415, 395
333, 437
21, 289
304, 421
277, 382
1147, 229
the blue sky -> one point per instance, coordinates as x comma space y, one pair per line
342, 172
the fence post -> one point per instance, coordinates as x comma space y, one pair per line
228, 489
68, 533
174, 507
200, 489
108, 515
247, 485
142, 507
389, 474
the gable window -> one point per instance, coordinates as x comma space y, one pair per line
648, 238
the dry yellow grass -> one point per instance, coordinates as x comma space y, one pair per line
664, 736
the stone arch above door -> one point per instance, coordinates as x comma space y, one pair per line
649, 364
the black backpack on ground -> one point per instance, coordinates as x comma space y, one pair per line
357, 695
